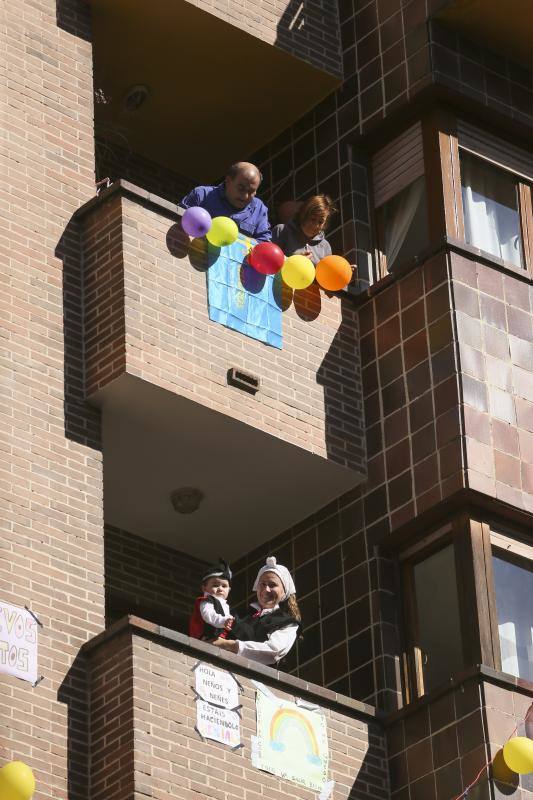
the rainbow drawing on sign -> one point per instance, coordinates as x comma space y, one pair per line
289, 721
291, 742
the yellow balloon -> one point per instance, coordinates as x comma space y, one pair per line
222, 232
298, 272
518, 754
16, 781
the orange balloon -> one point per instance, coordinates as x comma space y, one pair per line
333, 273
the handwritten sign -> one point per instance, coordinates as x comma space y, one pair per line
219, 724
18, 642
216, 686
291, 742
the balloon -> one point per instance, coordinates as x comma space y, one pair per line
333, 273
267, 258
16, 781
196, 221
518, 754
223, 231
298, 272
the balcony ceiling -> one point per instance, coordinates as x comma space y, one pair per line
255, 485
505, 26
217, 93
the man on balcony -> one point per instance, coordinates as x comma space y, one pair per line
235, 198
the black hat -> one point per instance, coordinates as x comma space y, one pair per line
220, 570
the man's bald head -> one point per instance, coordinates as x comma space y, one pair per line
241, 183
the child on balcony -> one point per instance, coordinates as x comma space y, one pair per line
211, 616
269, 631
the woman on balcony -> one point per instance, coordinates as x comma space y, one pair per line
304, 233
269, 631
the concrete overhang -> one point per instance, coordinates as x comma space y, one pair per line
505, 27
216, 92
255, 485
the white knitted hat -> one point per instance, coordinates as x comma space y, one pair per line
283, 574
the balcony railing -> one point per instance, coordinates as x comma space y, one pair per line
146, 729
160, 370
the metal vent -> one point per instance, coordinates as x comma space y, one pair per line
243, 380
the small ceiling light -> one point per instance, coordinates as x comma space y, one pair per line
186, 499
135, 97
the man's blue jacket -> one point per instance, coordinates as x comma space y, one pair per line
251, 220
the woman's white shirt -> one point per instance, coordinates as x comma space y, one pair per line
276, 646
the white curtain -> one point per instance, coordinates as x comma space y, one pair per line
490, 207
400, 218
508, 649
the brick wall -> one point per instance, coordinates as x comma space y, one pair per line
494, 317
148, 579
438, 746
390, 54
148, 677
51, 556
114, 162
309, 31
137, 264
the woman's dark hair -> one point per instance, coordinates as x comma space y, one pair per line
317, 205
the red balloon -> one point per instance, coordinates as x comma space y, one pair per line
267, 258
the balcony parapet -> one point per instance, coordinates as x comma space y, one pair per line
143, 718
160, 370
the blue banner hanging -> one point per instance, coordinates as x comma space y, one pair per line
240, 297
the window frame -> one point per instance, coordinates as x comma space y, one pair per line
516, 551
455, 224
473, 540
428, 130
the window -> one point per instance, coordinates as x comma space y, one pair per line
468, 600
399, 190
513, 586
438, 622
402, 226
487, 192
491, 209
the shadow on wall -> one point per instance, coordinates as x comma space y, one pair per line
307, 29
82, 423
74, 16
367, 783
340, 376
74, 693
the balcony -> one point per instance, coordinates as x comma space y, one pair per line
157, 367
505, 28
223, 79
144, 740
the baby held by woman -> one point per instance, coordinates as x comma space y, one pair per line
267, 631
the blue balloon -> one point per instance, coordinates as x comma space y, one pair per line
196, 221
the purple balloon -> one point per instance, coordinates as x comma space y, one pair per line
196, 221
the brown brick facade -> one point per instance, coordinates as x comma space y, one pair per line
137, 260
143, 726
52, 520
147, 578
438, 747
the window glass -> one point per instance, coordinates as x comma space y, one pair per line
439, 625
490, 208
402, 224
513, 583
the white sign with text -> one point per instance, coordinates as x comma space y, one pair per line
219, 724
216, 686
18, 642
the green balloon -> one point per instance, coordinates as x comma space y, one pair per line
223, 232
